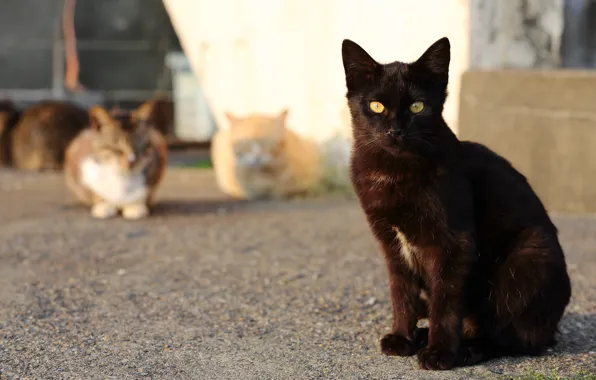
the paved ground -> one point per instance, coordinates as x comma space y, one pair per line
208, 289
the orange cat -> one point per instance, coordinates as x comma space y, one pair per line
259, 157
117, 164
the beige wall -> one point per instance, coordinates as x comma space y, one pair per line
544, 123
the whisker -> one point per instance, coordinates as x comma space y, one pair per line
415, 138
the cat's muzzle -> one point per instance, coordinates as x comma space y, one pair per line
394, 132
393, 136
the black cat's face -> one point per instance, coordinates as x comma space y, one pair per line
398, 106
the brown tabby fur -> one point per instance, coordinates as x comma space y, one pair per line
259, 157
9, 116
43, 132
111, 140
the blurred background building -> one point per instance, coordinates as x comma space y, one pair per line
510, 88
122, 45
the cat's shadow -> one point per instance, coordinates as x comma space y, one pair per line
225, 206
188, 207
171, 207
168, 207
576, 334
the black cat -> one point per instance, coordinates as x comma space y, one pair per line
467, 242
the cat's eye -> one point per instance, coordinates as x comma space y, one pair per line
376, 107
416, 107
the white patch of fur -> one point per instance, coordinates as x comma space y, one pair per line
408, 251
107, 181
254, 158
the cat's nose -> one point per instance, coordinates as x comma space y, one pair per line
394, 132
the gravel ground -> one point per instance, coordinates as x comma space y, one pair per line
212, 289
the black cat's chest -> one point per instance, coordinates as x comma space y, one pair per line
390, 191
382, 185
405, 208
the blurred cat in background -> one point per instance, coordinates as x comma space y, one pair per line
162, 109
9, 116
43, 131
117, 164
259, 157
163, 114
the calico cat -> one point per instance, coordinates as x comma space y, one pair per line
466, 240
9, 116
43, 132
117, 163
260, 157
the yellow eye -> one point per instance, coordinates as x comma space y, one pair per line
416, 107
376, 107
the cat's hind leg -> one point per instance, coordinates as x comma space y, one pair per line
532, 290
526, 301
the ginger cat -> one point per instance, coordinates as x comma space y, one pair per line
117, 163
258, 157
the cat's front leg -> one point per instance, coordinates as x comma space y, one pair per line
405, 338
135, 211
447, 273
103, 210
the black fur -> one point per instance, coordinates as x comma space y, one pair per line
454, 220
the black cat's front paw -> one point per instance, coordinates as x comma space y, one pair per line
436, 359
397, 345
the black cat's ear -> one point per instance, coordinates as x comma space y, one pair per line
436, 58
359, 66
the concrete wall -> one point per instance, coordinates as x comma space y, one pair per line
541, 119
515, 33
578, 46
544, 122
